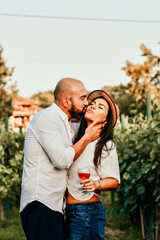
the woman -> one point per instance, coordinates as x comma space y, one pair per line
84, 211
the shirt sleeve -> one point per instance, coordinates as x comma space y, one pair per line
109, 164
48, 133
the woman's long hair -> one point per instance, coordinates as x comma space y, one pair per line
105, 135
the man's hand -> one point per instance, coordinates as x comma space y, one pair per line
93, 131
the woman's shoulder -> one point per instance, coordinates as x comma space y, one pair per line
110, 144
109, 149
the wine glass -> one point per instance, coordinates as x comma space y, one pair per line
83, 173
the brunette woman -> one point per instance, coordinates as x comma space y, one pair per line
84, 211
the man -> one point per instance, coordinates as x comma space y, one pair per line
48, 152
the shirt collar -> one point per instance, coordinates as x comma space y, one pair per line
60, 112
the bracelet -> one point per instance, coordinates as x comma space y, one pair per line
99, 184
97, 192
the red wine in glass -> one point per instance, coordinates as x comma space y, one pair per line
83, 173
83, 176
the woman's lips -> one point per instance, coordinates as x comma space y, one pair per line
90, 111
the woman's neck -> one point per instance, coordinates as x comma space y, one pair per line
89, 123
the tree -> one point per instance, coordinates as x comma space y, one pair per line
124, 100
43, 99
6, 107
145, 77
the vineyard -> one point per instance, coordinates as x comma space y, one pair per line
138, 196
139, 155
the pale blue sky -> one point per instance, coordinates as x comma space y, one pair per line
45, 50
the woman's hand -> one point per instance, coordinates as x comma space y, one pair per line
89, 185
101, 185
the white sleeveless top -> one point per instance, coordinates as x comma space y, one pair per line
109, 168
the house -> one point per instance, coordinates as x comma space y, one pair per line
24, 110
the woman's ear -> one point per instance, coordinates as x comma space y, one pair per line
104, 123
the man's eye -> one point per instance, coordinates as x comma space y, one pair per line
82, 98
101, 107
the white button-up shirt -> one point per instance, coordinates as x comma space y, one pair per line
47, 156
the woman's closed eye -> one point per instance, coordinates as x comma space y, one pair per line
100, 107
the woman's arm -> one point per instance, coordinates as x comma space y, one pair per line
102, 185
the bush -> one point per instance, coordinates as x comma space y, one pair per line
11, 158
139, 153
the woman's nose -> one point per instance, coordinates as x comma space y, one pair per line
93, 106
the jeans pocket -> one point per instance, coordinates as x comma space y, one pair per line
81, 214
101, 225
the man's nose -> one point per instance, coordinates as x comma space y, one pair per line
86, 102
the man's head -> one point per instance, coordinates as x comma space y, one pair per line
70, 96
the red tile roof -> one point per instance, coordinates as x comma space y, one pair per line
24, 107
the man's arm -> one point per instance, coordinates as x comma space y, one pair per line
47, 131
92, 133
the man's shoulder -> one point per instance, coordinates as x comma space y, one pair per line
46, 111
45, 115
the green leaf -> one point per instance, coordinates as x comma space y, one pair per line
145, 170
126, 176
140, 190
158, 199
150, 179
134, 207
155, 123
123, 166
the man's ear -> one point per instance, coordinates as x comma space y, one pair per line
66, 102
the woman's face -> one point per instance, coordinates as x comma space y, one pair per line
97, 109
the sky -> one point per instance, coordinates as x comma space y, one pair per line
44, 50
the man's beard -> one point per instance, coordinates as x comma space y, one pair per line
75, 113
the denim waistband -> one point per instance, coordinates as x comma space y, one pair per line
89, 205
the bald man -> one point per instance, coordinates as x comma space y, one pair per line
48, 153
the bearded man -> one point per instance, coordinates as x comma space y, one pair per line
48, 153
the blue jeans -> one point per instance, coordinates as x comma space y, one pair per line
85, 221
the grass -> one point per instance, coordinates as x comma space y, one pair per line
118, 226
10, 228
